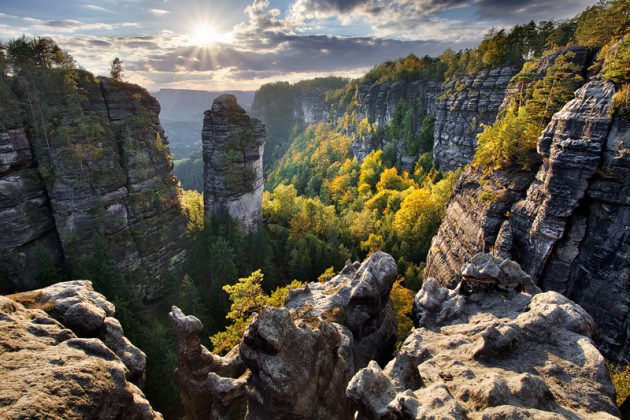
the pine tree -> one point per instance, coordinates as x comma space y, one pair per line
117, 70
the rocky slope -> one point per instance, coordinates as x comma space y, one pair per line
495, 347
567, 225
93, 165
64, 355
492, 352
294, 362
233, 145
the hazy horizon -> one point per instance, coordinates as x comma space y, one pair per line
239, 45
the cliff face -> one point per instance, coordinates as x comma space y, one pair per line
89, 160
233, 145
463, 106
63, 354
459, 108
566, 225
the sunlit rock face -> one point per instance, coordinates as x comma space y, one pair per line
233, 145
63, 354
100, 169
296, 361
565, 224
494, 347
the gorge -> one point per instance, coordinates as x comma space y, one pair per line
442, 237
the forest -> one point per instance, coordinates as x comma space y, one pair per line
322, 206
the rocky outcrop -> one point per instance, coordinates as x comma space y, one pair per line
94, 166
566, 226
493, 353
63, 354
233, 145
462, 107
299, 358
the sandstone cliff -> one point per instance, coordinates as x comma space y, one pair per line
233, 145
566, 224
89, 161
459, 107
64, 355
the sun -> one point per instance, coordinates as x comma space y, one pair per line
205, 34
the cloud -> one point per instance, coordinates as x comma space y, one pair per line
159, 12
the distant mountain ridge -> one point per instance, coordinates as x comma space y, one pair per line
189, 104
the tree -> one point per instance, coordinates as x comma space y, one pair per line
47, 271
117, 71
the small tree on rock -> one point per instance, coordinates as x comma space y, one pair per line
117, 69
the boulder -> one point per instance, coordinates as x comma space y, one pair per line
48, 371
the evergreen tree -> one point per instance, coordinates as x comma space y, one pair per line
47, 271
117, 70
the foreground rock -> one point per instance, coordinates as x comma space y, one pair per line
496, 353
48, 371
88, 314
233, 145
300, 358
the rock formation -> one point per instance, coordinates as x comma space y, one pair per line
494, 353
463, 106
300, 358
100, 169
459, 108
565, 225
233, 145
63, 354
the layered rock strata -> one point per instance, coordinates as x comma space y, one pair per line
299, 358
566, 225
95, 167
494, 353
64, 355
233, 145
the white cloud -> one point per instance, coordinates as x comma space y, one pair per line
159, 12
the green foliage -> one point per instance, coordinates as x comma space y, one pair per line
247, 297
47, 271
408, 68
602, 22
510, 143
402, 302
117, 70
189, 172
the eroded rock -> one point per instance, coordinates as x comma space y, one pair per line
496, 353
299, 358
47, 371
88, 314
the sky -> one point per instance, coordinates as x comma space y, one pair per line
241, 44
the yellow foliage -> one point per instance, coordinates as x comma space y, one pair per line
192, 204
621, 381
402, 302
